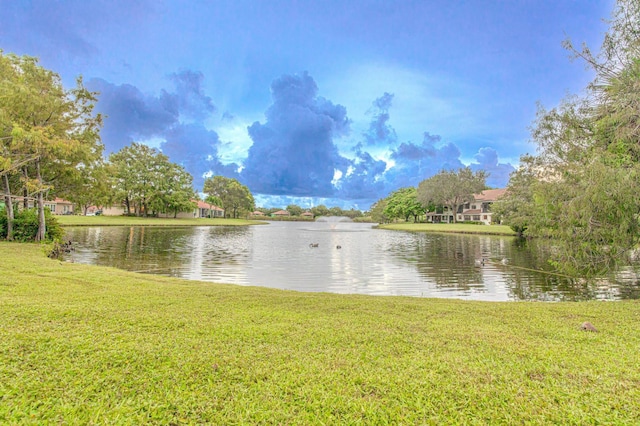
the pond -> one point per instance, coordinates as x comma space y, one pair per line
349, 258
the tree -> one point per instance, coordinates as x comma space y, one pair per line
320, 210
336, 211
294, 210
176, 193
146, 181
236, 198
95, 187
404, 204
377, 211
451, 188
47, 132
582, 187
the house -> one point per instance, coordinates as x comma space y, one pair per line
479, 209
307, 215
59, 206
281, 213
207, 210
257, 213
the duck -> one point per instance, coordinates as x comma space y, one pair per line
314, 244
338, 247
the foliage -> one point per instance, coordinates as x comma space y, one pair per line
294, 210
47, 133
160, 350
72, 220
377, 211
95, 188
451, 188
146, 181
236, 198
26, 225
320, 210
581, 190
403, 204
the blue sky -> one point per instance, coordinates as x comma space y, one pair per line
310, 102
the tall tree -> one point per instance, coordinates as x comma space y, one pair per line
294, 210
44, 128
236, 198
146, 181
404, 204
586, 176
451, 188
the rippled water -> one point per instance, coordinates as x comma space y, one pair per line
370, 261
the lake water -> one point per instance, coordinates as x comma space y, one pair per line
369, 261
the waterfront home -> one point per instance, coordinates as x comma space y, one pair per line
478, 210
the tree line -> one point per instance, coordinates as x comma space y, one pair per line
50, 147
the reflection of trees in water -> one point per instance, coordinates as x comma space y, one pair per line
156, 248
446, 260
533, 278
449, 261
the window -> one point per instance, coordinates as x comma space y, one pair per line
467, 217
476, 217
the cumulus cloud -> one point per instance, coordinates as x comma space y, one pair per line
189, 96
196, 149
487, 159
293, 152
132, 115
174, 117
416, 162
363, 179
379, 131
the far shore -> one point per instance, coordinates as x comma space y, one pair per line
456, 228
72, 220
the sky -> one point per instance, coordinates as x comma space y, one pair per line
316, 102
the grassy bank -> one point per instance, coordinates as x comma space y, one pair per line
83, 344
147, 221
460, 228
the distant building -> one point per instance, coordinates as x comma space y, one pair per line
55, 206
478, 210
281, 213
207, 210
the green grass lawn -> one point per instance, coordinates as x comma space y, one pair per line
93, 345
147, 221
461, 228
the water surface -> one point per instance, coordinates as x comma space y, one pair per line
369, 261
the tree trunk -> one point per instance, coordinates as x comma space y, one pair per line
9, 207
25, 191
42, 226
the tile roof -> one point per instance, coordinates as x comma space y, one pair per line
490, 194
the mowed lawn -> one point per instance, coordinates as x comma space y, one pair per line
459, 228
92, 345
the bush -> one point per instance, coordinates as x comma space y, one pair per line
25, 225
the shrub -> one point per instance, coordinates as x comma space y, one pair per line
25, 225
